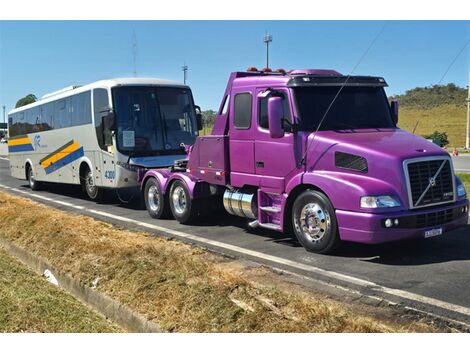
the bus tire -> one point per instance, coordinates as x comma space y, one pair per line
155, 201
88, 185
314, 222
184, 209
33, 183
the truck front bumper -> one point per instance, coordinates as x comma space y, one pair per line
370, 228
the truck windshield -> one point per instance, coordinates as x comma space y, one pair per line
153, 120
354, 108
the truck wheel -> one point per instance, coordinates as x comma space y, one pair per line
183, 208
314, 222
33, 184
154, 199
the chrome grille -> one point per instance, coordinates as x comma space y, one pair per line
430, 181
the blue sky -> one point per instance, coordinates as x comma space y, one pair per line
39, 57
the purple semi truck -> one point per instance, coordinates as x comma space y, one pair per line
316, 154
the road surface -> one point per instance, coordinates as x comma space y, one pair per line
461, 163
432, 276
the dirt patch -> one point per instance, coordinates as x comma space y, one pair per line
179, 287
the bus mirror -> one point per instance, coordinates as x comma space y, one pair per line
275, 117
109, 121
394, 109
199, 121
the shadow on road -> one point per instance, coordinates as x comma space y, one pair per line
452, 246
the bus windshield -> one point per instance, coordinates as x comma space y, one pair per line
354, 108
153, 120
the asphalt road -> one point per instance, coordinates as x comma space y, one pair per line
461, 163
432, 275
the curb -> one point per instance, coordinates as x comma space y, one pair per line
110, 308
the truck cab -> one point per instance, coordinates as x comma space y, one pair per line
315, 154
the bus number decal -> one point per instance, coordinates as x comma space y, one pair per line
109, 175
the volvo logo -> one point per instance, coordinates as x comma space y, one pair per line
432, 181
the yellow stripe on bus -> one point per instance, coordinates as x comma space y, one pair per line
71, 148
19, 141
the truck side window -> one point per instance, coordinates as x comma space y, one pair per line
242, 111
263, 111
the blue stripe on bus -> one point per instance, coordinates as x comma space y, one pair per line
20, 148
65, 160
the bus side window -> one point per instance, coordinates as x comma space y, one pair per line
100, 109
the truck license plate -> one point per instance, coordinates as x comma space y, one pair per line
433, 232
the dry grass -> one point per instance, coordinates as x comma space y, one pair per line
444, 118
28, 303
465, 178
180, 287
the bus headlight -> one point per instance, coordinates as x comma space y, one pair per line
379, 202
127, 166
461, 191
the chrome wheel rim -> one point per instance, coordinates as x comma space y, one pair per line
178, 199
153, 198
91, 189
314, 222
31, 178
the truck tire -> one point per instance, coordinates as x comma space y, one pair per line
314, 222
183, 208
155, 202
33, 183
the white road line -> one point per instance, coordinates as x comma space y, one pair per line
286, 262
462, 170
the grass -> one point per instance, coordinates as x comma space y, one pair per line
180, 287
465, 178
28, 303
444, 118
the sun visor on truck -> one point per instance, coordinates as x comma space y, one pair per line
323, 80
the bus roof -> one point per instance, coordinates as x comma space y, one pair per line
107, 83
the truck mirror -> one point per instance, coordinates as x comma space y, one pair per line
109, 121
275, 117
394, 109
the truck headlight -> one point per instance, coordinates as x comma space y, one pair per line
461, 191
379, 202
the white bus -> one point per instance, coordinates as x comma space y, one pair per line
99, 134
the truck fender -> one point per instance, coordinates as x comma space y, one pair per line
190, 180
161, 176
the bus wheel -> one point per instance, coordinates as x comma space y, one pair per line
155, 202
88, 183
314, 222
184, 209
33, 184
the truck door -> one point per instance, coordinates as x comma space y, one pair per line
242, 150
275, 158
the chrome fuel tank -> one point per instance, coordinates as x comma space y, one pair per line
241, 204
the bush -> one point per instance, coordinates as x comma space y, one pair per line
439, 138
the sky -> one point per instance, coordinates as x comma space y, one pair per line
43, 56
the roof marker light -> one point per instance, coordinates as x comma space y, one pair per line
281, 70
267, 69
252, 69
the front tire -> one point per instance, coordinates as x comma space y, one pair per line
33, 183
155, 202
314, 222
91, 189
183, 208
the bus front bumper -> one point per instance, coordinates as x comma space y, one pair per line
371, 228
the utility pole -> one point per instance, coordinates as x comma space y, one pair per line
267, 39
467, 144
185, 71
3, 113
134, 52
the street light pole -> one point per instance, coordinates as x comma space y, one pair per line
3, 113
267, 39
185, 70
467, 144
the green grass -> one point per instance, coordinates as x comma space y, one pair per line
28, 303
466, 180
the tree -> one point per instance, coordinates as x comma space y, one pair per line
439, 138
30, 98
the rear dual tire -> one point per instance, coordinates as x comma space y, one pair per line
155, 201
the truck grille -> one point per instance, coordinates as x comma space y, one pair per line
431, 182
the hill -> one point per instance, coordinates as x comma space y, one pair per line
440, 108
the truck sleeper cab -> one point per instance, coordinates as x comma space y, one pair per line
291, 154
